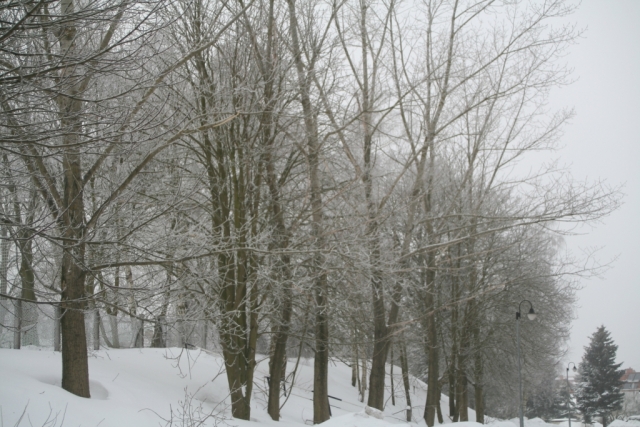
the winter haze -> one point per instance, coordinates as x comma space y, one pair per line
602, 142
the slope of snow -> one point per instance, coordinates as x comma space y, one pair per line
176, 387
147, 387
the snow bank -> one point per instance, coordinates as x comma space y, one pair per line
359, 419
128, 388
149, 387
621, 423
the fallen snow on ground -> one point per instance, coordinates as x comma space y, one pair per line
176, 387
620, 423
152, 387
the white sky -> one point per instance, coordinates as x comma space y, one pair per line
603, 142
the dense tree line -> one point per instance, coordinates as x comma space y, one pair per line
330, 178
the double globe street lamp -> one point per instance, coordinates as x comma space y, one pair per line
532, 316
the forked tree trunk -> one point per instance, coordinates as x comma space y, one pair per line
278, 365
382, 333
320, 287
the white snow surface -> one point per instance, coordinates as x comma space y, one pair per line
176, 387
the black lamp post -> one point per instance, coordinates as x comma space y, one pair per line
569, 385
532, 316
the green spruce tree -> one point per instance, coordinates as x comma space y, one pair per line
598, 392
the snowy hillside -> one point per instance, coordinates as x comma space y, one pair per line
160, 387
142, 387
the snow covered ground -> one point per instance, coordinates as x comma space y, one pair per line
163, 387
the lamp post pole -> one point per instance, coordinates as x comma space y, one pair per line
519, 372
569, 385
532, 316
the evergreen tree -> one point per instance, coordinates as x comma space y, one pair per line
598, 391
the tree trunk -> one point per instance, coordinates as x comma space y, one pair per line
277, 364
75, 366
404, 365
4, 265
57, 345
363, 381
479, 376
29, 311
479, 403
158, 340
393, 392
357, 361
453, 413
381, 332
354, 364
136, 324
112, 310
17, 324
96, 327
433, 372
320, 287
113, 325
438, 408
462, 404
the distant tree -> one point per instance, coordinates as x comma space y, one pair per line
552, 399
599, 383
566, 406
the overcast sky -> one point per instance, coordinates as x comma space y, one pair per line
603, 142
